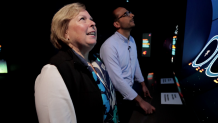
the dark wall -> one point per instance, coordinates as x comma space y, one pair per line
25, 29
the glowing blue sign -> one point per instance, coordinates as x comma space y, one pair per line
208, 72
194, 64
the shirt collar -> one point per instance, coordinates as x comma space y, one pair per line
123, 37
81, 58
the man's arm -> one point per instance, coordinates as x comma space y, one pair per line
138, 74
140, 79
148, 108
109, 55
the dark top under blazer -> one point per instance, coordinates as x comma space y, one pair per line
83, 89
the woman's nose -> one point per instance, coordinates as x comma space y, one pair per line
92, 23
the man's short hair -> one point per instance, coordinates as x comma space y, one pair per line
114, 16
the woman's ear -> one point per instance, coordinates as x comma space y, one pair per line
116, 24
67, 35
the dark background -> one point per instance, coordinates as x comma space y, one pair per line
25, 40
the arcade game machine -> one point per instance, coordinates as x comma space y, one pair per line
191, 94
165, 90
199, 74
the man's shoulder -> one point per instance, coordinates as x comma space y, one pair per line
110, 41
132, 39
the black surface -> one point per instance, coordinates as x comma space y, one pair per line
165, 113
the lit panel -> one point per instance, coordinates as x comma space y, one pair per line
208, 52
3, 66
146, 44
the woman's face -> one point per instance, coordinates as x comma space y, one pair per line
82, 32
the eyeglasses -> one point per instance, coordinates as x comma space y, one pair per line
127, 13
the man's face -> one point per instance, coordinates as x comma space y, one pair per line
125, 21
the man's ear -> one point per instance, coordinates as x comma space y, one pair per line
116, 24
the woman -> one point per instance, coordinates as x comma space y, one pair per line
69, 89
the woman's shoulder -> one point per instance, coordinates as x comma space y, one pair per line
47, 72
48, 68
49, 77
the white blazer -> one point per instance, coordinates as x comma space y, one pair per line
52, 99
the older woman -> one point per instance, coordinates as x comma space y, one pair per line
69, 89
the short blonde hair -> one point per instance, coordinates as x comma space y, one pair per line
60, 23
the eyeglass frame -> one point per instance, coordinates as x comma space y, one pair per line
127, 14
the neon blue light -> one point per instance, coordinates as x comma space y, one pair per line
208, 72
176, 79
174, 42
146, 46
199, 65
145, 41
179, 89
173, 51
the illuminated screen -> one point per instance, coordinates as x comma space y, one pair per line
3, 66
174, 45
200, 51
146, 44
213, 30
206, 59
215, 9
207, 53
199, 74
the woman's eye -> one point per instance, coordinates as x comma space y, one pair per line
82, 18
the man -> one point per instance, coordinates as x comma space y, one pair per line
119, 55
